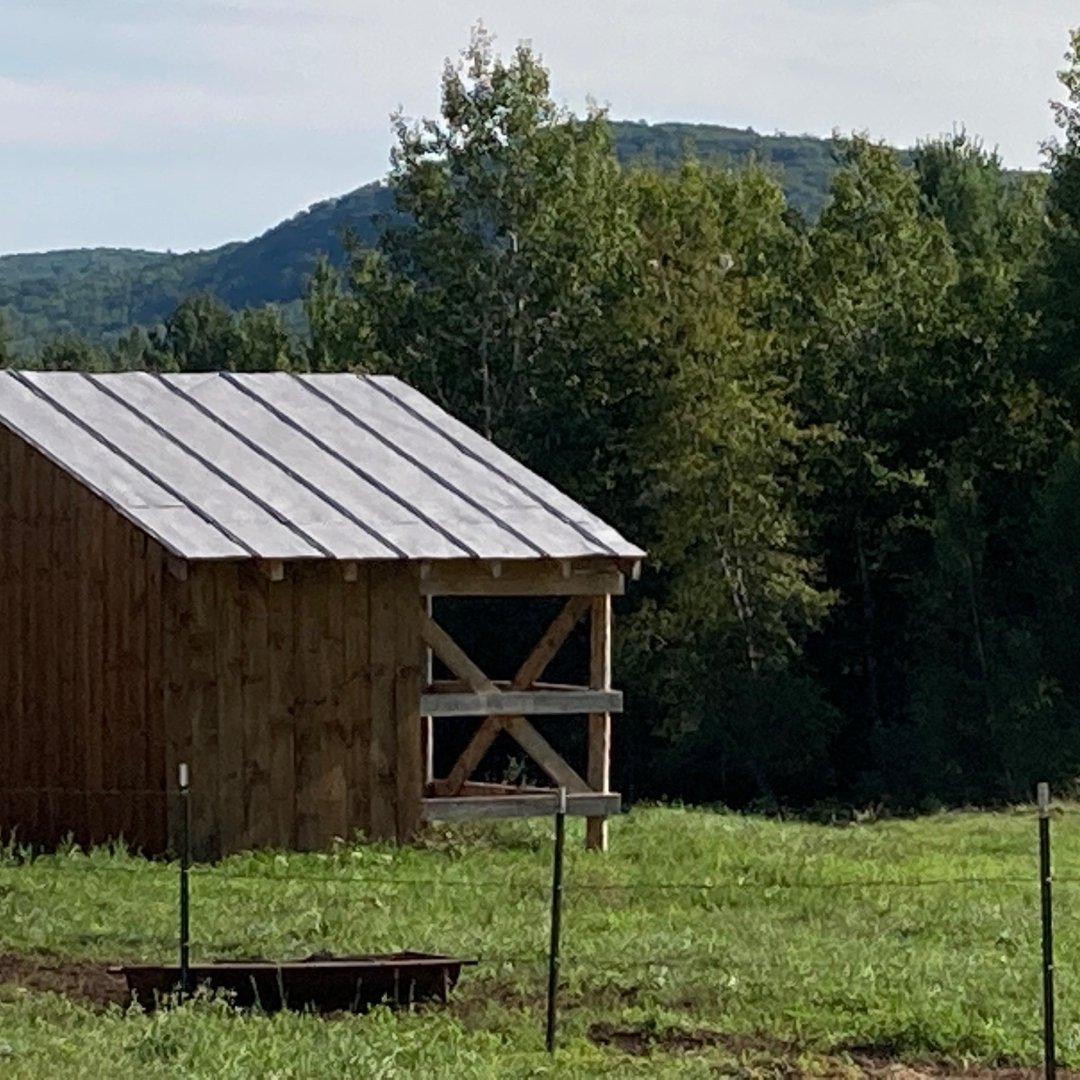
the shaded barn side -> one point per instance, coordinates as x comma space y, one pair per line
294, 702
81, 708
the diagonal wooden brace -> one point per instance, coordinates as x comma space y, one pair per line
526, 735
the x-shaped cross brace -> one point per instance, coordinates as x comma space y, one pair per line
534, 744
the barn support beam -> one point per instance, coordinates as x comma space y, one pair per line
598, 771
549, 577
505, 708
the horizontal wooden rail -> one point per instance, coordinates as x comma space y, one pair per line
528, 577
522, 703
464, 808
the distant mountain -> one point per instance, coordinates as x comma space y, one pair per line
99, 293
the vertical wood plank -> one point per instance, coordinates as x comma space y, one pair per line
383, 755
230, 704
74, 636
41, 688
177, 692
23, 627
255, 690
155, 814
203, 706
112, 728
408, 678
356, 697
132, 733
598, 773
281, 718
306, 636
332, 803
92, 599
9, 547
69, 806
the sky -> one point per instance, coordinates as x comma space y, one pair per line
181, 124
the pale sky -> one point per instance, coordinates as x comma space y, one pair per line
187, 123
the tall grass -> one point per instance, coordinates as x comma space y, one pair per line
911, 939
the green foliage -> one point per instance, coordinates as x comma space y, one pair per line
7, 354
803, 165
512, 236
98, 293
1057, 288
339, 328
72, 354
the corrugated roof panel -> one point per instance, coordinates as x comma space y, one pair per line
258, 470
277, 466
589, 527
489, 497
317, 407
82, 454
207, 492
340, 481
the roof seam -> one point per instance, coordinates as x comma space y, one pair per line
220, 473
469, 452
417, 463
128, 459
286, 469
362, 473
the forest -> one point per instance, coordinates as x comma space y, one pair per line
845, 431
99, 293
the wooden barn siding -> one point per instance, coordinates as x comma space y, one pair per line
296, 702
81, 735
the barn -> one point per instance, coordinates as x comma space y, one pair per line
237, 571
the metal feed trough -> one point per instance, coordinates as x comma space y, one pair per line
321, 983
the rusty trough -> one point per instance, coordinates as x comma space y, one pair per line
320, 983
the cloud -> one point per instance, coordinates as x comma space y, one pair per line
900, 68
299, 92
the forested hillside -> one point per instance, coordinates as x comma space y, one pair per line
848, 440
100, 293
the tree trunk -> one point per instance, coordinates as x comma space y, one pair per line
869, 614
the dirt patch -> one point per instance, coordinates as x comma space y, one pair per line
937, 1070
881, 1069
80, 980
782, 1057
644, 1040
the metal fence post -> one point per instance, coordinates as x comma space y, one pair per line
185, 863
556, 918
1049, 1051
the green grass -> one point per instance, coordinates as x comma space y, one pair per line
824, 939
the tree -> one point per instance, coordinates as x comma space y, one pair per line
200, 335
722, 455
7, 353
340, 312
872, 310
263, 342
71, 353
1056, 289
501, 278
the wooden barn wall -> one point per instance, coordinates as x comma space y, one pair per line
81, 735
296, 702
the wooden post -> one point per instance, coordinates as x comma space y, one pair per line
598, 772
409, 763
427, 723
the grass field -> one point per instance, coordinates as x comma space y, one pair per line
702, 944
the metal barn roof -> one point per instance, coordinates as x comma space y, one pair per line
282, 466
